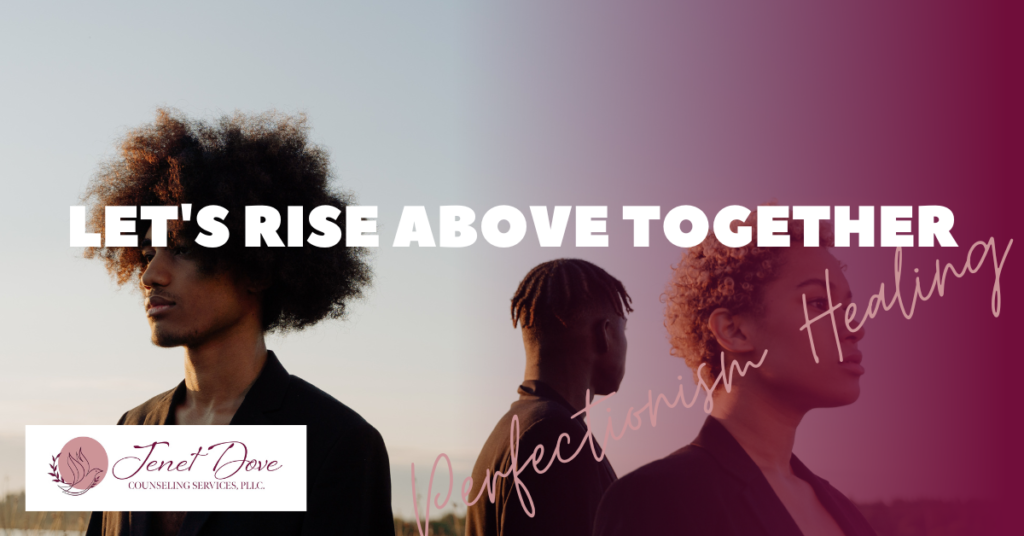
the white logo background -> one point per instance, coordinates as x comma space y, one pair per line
258, 489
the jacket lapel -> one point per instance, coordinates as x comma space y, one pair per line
770, 511
160, 413
265, 396
137, 523
825, 496
757, 492
192, 523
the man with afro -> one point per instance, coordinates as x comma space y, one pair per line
218, 303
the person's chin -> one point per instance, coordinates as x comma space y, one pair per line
166, 338
844, 396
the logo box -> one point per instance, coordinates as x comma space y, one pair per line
165, 468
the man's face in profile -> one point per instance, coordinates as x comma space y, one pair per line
184, 305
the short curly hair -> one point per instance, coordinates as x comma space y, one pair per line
235, 161
712, 275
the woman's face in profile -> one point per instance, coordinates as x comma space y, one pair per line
790, 372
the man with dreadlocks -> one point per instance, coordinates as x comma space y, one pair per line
573, 318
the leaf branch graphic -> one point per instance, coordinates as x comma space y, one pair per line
55, 471
81, 473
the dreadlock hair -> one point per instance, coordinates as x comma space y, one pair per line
556, 292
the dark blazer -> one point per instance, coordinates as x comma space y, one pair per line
711, 487
348, 482
565, 497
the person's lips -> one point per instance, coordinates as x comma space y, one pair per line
157, 305
852, 363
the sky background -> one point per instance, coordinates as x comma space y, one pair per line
540, 103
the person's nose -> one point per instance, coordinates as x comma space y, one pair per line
157, 273
852, 337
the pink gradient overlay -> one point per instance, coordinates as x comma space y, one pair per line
799, 103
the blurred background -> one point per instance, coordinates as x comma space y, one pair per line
543, 103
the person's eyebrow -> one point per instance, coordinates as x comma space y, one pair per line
816, 281
146, 243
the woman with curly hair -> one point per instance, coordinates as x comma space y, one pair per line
728, 307
218, 303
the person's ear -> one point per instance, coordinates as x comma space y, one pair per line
730, 331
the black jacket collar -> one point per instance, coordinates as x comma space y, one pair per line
265, 396
538, 389
758, 493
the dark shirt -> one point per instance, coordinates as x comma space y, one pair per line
565, 497
711, 487
348, 481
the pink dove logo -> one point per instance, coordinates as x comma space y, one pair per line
79, 466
